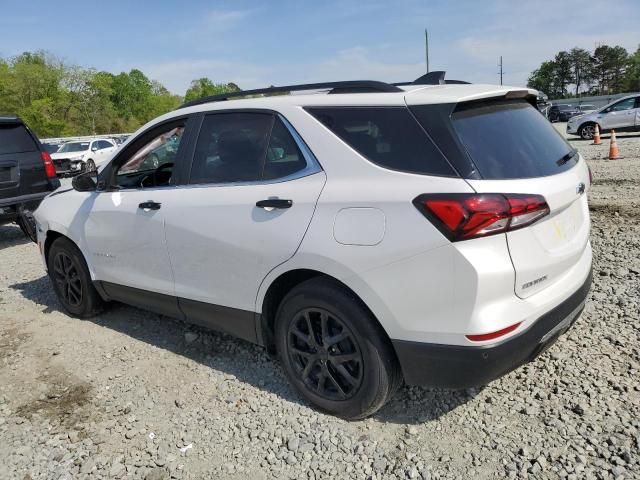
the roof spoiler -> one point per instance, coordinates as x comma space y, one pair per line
433, 78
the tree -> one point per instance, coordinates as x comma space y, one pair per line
562, 71
609, 66
543, 78
632, 76
203, 87
580, 61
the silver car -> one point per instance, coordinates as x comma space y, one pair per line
621, 115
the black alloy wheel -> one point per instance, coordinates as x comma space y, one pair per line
66, 276
325, 354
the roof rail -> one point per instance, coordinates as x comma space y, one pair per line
432, 78
353, 86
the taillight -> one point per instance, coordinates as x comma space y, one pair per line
461, 216
49, 167
493, 335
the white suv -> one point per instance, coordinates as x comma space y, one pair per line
78, 156
368, 233
621, 115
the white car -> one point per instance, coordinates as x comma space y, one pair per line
78, 156
369, 234
621, 115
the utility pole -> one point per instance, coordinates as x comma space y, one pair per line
500, 65
426, 45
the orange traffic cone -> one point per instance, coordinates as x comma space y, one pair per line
614, 153
596, 136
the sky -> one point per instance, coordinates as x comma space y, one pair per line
257, 44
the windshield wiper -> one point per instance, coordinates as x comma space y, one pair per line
567, 157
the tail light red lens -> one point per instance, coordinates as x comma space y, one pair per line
49, 167
462, 216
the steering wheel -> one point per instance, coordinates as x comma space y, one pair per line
155, 176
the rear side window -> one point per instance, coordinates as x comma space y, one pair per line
15, 139
509, 140
387, 136
284, 158
231, 148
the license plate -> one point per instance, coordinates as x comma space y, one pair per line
563, 325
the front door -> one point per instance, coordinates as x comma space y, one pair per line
619, 115
252, 193
124, 229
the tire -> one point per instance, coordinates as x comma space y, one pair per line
27, 224
586, 131
90, 166
71, 280
347, 367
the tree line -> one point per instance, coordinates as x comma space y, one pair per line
605, 71
56, 99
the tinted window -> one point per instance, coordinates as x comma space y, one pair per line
15, 139
284, 158
105, 144
627, 104
231, 147
387, 136
511, 140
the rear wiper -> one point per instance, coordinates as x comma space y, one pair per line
567, 157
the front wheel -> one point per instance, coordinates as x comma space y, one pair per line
333, 351
90, 166
587, 132
71, 279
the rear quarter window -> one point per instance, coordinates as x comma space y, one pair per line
508, 140
14, 138
386, 136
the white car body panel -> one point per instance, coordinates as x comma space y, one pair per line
211, 244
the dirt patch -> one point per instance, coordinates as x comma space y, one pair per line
10, 340
612, 209
63, 402
617, 182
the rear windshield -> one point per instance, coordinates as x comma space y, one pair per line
387, 136
15, 139
512, 140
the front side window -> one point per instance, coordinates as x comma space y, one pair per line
231, 148
151, 165
627, 104
386, 136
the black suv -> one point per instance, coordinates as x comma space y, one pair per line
562, 113
27, 174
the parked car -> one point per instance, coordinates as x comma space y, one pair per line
562, 113
76, 157
372, 236
621, 115
586, 108
27, 174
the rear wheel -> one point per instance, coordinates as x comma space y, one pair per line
333, 351
71, 279
587, 131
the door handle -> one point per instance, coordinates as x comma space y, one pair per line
274, 203
150, 205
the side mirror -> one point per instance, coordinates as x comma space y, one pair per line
84, 183
94, 149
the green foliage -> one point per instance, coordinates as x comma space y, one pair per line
608, 70
56, 99
203, 87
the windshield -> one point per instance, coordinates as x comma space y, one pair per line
566, 108
509, 140
74, 147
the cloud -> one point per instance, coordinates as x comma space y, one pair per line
224, 20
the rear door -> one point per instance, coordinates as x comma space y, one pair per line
516, 151
21, 167
252, 193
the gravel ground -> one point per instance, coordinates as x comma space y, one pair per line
136, 395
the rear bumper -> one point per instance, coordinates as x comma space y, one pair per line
453, 366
